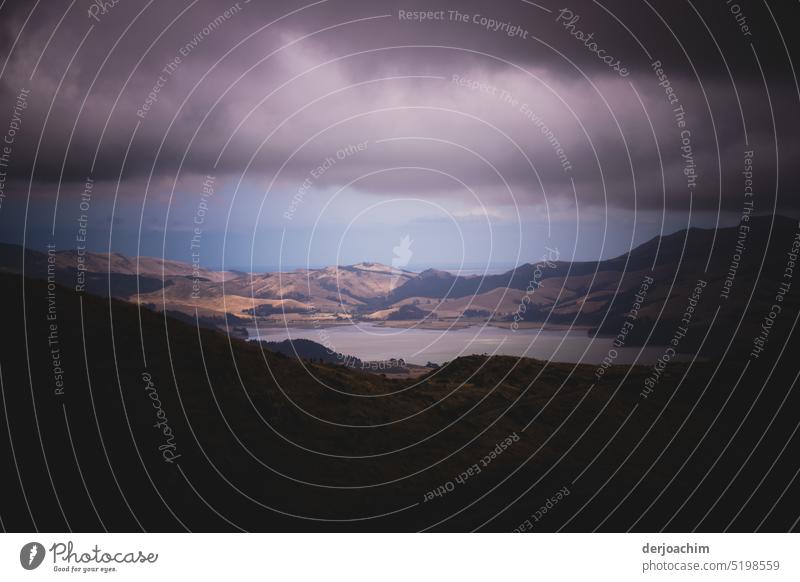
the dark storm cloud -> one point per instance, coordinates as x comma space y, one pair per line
113, 96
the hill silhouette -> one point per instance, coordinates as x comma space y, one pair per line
264, 442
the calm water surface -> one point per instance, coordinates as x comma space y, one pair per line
419, 346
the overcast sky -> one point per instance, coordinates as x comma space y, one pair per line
332, 129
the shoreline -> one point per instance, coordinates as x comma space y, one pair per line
434, 325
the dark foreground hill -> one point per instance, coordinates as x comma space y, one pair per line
120, 419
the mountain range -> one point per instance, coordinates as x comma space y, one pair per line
597, 294
263, 440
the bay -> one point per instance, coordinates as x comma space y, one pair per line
419, 346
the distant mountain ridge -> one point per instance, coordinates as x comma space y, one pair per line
589, 293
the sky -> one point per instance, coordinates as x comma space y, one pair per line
253, 135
